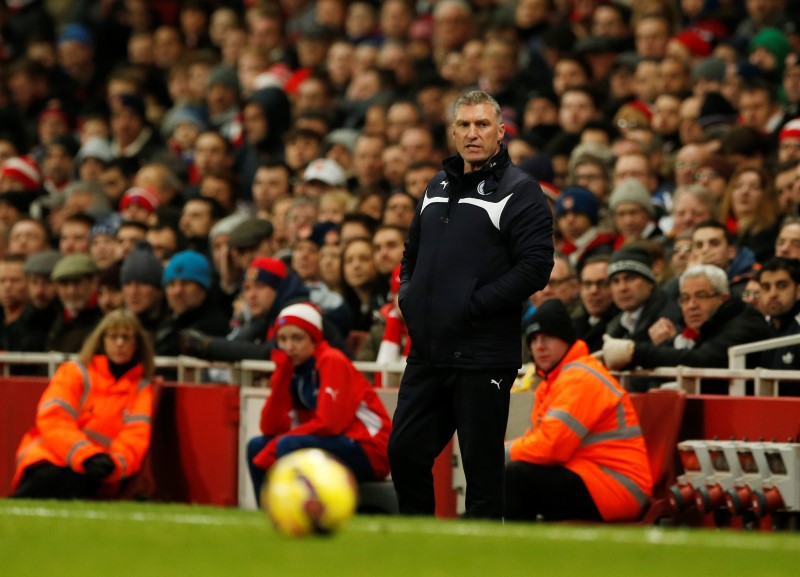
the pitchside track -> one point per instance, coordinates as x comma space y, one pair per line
43, 539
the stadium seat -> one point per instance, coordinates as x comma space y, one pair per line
660, 416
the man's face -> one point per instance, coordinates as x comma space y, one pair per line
74, 238
779, 292
127, 237
114, 184
710, 246
258, 296
368, 160
163, 242
41, 290
788, 243
477, 134
195, 219
399, 211
630, 219
632, 166
547, 351
699, 300
57, 164
184, 295
139, 297
305, 260
595, 290
630, 290
126, 125
26, 238
210, 154
387, 245
269, 184
13, 286
755, 108
575, 111
417, 179
562, 285
75, 293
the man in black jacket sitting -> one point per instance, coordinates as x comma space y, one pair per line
714, 322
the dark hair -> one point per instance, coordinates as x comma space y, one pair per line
717, 225
778, 263
364, 219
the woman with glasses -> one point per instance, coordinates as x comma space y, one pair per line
93, 421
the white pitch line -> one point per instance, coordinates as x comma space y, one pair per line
653, 535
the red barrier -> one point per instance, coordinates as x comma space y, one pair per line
19, 397
194, 451
722, 417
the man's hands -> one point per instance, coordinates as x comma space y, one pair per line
193, 342
617, 353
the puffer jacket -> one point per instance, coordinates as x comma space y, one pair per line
85, 411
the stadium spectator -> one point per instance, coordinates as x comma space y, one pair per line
142, 295
779, 280
713, 322
577, 216
187, 282
94, 419
788, 242
598, 304
584, 456
43, 306
463, 320
750, 211
712, 244
75, 234
75, 276
318, 400
13, 301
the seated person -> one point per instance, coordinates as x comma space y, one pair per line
714, 322
93, 421
584, 456
268, 286
318, 400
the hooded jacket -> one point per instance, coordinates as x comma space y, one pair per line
346, 404
86, 411
479, 245
583, 420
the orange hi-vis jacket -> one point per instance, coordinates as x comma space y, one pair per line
583, 420
85, 411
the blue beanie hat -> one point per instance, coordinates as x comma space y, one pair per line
188, 265
578, 199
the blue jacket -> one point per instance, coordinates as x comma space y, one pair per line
479, 245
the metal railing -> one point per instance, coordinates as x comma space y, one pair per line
256, 373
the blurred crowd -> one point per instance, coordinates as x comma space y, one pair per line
205, 163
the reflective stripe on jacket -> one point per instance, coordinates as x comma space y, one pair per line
583, 420
346, 405
85, 411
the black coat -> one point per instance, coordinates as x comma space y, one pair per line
593, 334
479, 245
655, 307
733, 323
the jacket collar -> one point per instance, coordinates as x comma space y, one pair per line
492, 172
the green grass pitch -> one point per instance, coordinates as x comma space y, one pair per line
45, 539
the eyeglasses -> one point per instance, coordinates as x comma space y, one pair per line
124, 337
556, 282
705, 174
701, 296
590, 284
751, 294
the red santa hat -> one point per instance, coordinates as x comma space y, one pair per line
24, 170
302, 315
790, 130
139, 196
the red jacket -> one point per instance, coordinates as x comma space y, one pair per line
75, 421
346, 405
583, 420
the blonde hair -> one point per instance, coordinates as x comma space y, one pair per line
766, 213
120, 318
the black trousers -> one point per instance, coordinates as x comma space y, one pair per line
47, 481
555, 493
434, 403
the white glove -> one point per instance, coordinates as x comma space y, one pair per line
617, 353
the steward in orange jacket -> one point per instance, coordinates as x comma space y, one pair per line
318, 399
584, 456
93, 421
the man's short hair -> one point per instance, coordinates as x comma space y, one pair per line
779, 263
716, 276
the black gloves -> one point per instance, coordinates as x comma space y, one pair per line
98, 466
193, 343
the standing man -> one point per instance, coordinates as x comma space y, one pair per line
480, 243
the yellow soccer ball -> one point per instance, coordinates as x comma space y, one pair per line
309, 492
